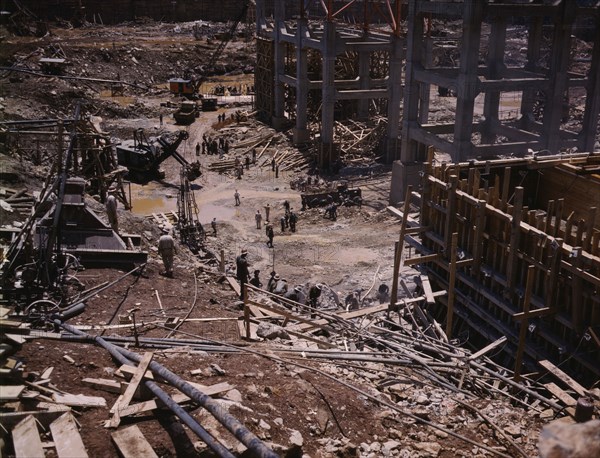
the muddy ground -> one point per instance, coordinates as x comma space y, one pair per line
275, 398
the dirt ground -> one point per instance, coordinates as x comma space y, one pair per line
275, 398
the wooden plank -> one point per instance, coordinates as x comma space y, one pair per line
429, 297
124, 400
421, 259
563, 397
234, 285
242, 330
79, 400
10, 419
128, 372
111, 386
560, 375
131, 443
16, 338
26, 439
10, 393
487, 348
66, 437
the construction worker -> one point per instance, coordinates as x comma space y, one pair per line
241, 264
267, 211
282, 221
166, 249
111, 210
270, 235
272, 281
313, 297
255, 280
281, 287
213, 224
198, 148
258, 218
236, 195
293, 221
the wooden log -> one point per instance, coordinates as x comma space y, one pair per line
131, 443
66, 437
26, 439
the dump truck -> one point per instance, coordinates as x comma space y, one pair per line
187, 113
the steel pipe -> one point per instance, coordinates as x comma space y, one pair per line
232, 424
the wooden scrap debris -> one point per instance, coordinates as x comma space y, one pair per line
10, 393
79, 400
127, 397
66, 437
26, 439
131, 443
111, 386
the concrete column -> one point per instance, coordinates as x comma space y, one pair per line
301, 134
414, 50
394, 98
279, 63
495, 65
328, 89
260, 15
407, 170
534, 43
425, 89
364, 78
559, 66
467, 80
592, 100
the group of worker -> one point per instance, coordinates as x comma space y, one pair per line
276, 285
210, 145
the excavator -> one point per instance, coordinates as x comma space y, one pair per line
143, 158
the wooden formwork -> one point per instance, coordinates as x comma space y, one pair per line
517, 245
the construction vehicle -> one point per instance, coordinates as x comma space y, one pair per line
143, 158
343, 195
189, 87
187, 113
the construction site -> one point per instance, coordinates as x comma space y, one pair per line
300, 228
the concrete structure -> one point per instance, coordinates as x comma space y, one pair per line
282, 69
518, 256
467, 138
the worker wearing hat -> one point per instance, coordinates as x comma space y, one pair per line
242, 271
166, 249
111, 209
255, 281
